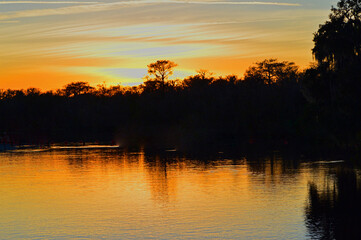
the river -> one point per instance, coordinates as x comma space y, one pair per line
107, 193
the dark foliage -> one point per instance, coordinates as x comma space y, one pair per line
333, 85
200, 111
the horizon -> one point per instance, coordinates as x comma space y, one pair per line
256, 135
48, 44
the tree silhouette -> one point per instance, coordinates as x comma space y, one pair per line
338, 40
204, 74
159, 72
338, 53
77, 88
333, 85
161, 69
271, 71
202, 79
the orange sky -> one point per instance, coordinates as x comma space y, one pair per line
47, 44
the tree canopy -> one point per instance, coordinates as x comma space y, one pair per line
271, 71
161, 69
77, 88
338, 40
158, 73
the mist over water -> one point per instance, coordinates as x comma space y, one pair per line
107, 193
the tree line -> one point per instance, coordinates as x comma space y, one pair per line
273, 104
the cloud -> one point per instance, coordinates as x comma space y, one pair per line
236, 3
63, 10
15, 21
156, 1
99, 6
44, 2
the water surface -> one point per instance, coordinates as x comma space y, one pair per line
105, 193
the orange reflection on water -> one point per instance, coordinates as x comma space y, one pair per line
108, 193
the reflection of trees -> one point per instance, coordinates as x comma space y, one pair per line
334, 208
162, 171
162, 181
273, 164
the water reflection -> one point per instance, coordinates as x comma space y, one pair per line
162, 181
108, 193
334, 205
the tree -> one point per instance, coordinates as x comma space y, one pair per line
160, 72
33, 92
337, 51
333, 84
202, 79
271, 71
204, 74
338, 40
77, 88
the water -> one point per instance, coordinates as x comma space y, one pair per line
93, 193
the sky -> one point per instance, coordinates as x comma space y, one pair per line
47, 44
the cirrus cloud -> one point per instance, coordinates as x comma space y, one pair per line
44, 2
100, 6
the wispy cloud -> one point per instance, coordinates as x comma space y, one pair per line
99, 6
45, 2
156, 1
63, 10
14, 21
234, 3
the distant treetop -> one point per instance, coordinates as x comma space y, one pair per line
161, 69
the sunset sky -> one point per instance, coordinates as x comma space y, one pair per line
47, 44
